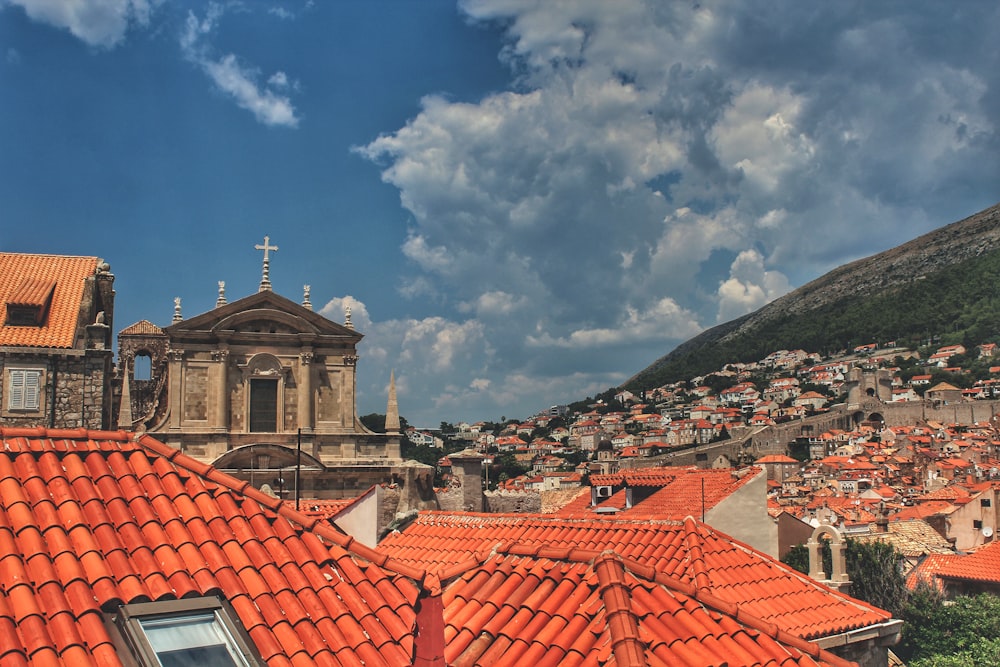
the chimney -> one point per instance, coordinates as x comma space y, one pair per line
428, 646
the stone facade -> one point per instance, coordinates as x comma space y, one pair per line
263, 388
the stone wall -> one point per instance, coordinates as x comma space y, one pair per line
511, 502
75, 389
452, 499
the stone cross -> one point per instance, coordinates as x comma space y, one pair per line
265, 281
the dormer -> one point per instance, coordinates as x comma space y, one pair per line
28, 305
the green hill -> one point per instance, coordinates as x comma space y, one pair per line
941, 286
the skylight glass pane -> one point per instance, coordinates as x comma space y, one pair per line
191, 641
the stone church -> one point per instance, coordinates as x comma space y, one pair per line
263, 388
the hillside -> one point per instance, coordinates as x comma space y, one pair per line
943, 283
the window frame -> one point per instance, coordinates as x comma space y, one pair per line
23, 406
128, 621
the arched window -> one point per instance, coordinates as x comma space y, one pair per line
142, 366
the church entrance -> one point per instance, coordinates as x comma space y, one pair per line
264, 405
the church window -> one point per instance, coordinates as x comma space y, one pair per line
264, 405
185, 633
142, 367
24, 389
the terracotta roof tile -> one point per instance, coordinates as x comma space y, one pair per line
688, 552
24, 279
92, 520
982, 565
141, 328
562, 609
678, 492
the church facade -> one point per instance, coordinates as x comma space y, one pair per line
263, 388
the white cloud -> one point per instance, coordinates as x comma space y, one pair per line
663, 321
749, 286
659, 167
237, 80
100, 23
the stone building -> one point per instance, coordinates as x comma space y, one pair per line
265, 389
56, 359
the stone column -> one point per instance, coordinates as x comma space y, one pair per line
175, 367
221, 393
305, 398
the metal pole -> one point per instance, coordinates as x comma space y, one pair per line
298, 466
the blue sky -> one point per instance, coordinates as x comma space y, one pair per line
524, 203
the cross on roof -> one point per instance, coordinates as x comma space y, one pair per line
265, 280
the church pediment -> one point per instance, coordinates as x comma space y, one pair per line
262, 313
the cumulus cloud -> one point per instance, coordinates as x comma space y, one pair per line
239, 81
749, 286
100, 23
655, 168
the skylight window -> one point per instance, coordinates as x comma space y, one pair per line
185, 633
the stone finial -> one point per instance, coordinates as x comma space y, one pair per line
177, 310
306, 303
392, 408
265, 280
221, 301
347, 317
125, 410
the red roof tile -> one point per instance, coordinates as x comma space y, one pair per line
982, 565
141, 328
680, 492
566, 606
28, 280
688, 552
89, 521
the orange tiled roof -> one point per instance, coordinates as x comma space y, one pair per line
23, 277
687, 552
926, 571
141, 328
983, 565
558, 606
681, 491
776, 458
92, 520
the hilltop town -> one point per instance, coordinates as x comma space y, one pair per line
867, 440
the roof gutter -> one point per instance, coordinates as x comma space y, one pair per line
887, 634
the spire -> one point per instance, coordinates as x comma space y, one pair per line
306, 303
265, 279
125, 410
177, 310
221, 301
392, 409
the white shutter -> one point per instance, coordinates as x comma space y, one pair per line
16, 399
31, 389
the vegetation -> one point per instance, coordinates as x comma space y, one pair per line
956, 305
872, 567
964, 632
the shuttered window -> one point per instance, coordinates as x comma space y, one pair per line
24, 389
